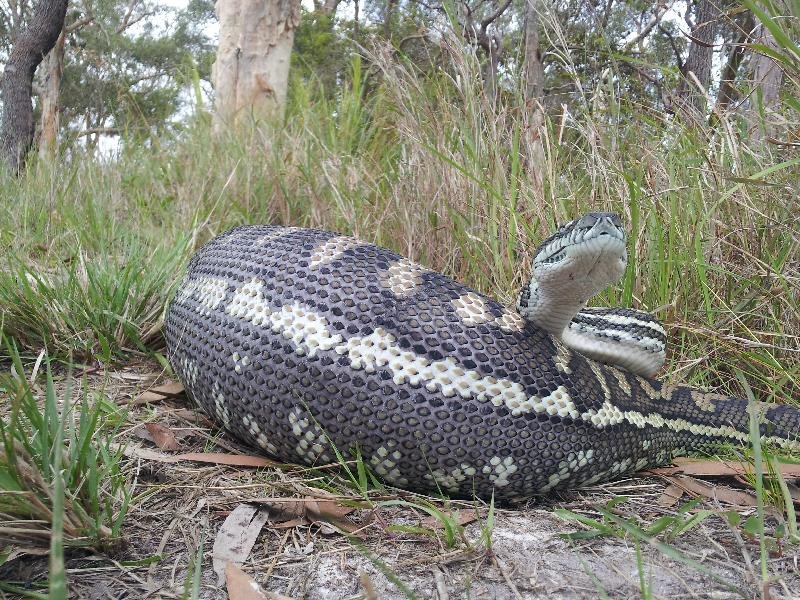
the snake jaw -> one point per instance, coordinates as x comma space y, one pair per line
580, 245
607, 260
581, 259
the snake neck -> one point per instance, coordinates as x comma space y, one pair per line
552, 309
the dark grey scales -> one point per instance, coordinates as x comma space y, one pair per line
300, 339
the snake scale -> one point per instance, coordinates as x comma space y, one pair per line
300, 341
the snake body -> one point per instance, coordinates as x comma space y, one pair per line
300, 341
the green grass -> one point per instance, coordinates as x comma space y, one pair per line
193, 581
60, 479
96, 309
612, 524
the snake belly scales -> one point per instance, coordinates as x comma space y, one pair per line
302, 340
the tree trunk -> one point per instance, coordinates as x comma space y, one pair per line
391, 6
767, 79
493, 50
698, 64
533, 71
533, 98
30, 47
251, 72
728, 94
49, 101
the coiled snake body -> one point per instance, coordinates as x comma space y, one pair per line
302, 340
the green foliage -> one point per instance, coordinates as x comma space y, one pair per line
320, 51
127, 67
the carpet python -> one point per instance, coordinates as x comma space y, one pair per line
300, 341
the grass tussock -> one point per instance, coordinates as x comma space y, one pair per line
60, 477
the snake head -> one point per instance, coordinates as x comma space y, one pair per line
583, 257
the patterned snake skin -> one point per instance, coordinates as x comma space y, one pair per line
299, 340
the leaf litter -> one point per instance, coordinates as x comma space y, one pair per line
320, 535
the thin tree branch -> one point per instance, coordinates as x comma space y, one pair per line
655, 21
124, 25
494, 16
98, 131
674, 46
74, 26
133, 22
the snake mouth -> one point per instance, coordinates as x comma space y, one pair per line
597, 234
600, 226
592, 233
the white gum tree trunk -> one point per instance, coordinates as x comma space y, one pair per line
251, 73
49, 102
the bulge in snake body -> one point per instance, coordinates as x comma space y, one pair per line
299, 340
